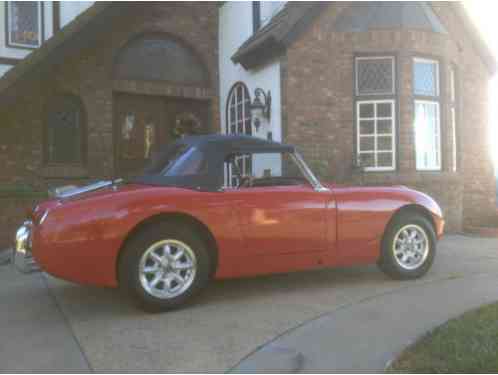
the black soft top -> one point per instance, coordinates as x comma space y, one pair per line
235, 143
215, 148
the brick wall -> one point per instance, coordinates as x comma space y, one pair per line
318, 94
88, 75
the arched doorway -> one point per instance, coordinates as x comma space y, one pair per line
146, 119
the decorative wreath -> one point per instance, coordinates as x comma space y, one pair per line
186, 124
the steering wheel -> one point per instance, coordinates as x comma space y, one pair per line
245, 181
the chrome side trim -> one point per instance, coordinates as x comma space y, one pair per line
64, 193
84, 189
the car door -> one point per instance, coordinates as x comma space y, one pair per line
281, 219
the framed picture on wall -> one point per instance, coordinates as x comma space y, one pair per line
24, 24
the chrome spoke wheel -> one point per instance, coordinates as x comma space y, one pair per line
411, 246
167, 269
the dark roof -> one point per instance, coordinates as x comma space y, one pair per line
271, 40
82, 31
368, 15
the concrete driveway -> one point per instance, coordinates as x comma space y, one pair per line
342, 319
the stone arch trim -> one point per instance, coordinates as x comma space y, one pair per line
189, 69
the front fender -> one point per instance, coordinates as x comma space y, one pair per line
365, 212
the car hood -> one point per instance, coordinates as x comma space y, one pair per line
409, 195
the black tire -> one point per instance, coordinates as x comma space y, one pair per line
390, 264
129, 265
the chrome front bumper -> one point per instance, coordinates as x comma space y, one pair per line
22, 258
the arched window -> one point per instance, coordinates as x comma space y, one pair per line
239, 110
238, 122
160, 57
65, 134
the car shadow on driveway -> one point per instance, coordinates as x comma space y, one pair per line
110, 301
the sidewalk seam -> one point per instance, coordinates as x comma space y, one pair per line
352, 303
66, 322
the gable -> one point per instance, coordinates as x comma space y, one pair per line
272, 40
368, 15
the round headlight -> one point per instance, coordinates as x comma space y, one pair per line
22, 239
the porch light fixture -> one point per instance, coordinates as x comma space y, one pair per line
260, 108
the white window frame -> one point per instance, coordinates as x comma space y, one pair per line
453, 118
423, 60
10, 43
438, 136
376, 135
429, 99
240, 119
393, 67
453, 124
264, 19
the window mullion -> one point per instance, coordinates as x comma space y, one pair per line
376, 164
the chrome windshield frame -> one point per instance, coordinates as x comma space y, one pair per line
308, 174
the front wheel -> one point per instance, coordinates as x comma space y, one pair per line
164, 266
408, 247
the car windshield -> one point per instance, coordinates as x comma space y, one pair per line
249, 170
178, 160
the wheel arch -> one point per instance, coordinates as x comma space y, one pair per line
176, 217
413, 208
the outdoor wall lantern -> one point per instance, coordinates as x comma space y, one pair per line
260, 108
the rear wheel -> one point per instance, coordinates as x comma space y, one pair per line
164, 266
408, 247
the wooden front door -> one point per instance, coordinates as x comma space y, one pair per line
144, 124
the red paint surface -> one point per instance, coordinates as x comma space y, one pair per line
257, 230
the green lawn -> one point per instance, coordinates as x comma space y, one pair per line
465, 344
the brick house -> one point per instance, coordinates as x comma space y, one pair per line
371, 92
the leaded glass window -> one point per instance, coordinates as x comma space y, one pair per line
375, 75
65, 132
375, 113
24, 23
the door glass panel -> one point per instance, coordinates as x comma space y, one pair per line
130, 145
146, 124
150, 138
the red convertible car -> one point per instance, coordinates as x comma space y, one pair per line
221, 207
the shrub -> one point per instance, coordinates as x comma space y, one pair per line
21, 191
